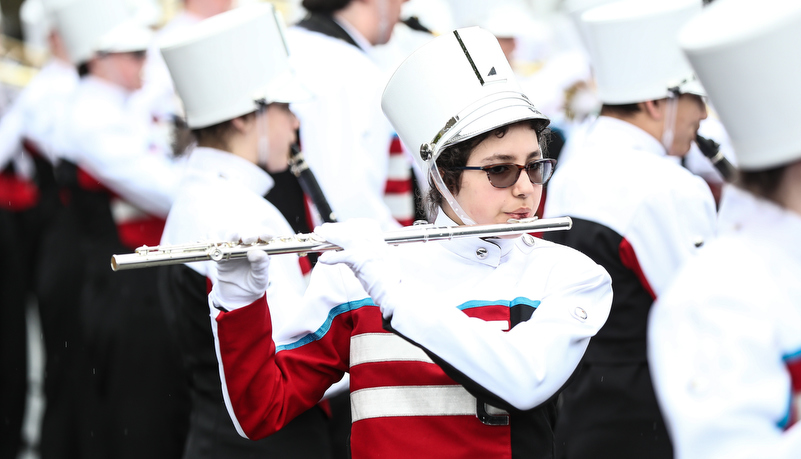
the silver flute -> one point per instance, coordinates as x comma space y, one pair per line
145, 256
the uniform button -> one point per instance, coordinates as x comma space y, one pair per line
481, 253
698, 242
580, 313
529, 240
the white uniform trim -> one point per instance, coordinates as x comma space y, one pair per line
384, 347
382, 402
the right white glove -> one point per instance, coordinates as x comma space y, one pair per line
364, 252
242, 281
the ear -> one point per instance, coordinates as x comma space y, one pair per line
241, 123
653, 108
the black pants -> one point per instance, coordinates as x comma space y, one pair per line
58, 289
13, 339
137, 395
610, 411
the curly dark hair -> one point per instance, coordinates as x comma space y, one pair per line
456, 156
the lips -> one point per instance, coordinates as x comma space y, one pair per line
519, 214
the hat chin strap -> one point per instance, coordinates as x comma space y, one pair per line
671, 111
440, 184
263, 132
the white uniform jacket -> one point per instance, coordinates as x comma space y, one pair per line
36, 112
506, 321
221, 194
104, 137
725, 340
622, 179
344, 135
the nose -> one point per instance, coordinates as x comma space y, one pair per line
523, 186
295, 121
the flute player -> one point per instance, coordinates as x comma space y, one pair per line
232, 74
454, 349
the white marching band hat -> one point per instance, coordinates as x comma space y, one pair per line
456, 86
575, 8
747, 57
634, 50
502, 18
224, 66
88, 27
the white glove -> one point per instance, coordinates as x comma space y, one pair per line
364, 252
241, 281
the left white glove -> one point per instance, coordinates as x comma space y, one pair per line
364, 252
242, 281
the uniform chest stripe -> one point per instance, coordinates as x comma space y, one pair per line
382, 402
383, 347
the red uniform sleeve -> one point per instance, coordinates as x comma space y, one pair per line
265, 389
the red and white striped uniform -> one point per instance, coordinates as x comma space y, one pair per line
398, 195
506, 321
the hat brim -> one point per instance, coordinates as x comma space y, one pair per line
692, 87
495, 115
128, 37
284, 88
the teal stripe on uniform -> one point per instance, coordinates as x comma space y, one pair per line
341, 309
517, 301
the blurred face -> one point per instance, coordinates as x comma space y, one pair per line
123, 69
483, 202
690, 111
208, 8
276, 127
388, 13
508, 45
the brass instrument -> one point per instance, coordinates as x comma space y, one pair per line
146, 256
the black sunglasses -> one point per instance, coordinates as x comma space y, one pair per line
505, 175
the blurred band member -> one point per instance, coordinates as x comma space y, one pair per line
636, 211
725, 339
233, 76
121, 188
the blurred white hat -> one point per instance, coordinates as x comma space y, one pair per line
575, 8
502, 18
36, 23
634, 50
454, 87
224, 66
89, 27
747, 57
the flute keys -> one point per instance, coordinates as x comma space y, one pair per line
216, 254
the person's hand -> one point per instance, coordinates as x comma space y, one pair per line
364, 252
242, 281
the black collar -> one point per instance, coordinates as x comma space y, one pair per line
326, 25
